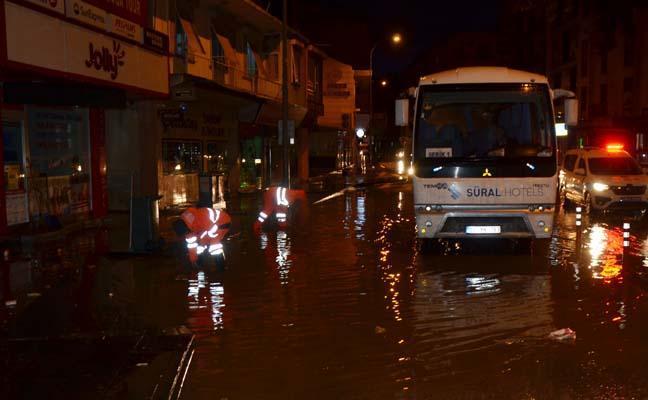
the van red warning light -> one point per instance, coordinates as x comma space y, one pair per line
614, 147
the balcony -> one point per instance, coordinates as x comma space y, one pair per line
230, 75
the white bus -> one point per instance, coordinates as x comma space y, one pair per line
484, 154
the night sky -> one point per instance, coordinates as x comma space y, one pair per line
347, 29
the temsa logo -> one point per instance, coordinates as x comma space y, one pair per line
106, 59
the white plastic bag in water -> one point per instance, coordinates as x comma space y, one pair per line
563, 335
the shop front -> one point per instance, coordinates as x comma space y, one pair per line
198, 140
57, 83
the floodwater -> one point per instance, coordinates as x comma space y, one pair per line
344, 305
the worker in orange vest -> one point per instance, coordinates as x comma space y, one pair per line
203, 229
277, 200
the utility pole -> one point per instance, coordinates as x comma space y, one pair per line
284, 95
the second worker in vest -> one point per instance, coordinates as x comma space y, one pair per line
276, 202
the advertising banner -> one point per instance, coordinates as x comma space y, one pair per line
52, 5
130, 10
71, 49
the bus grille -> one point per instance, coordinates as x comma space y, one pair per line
506, 224
628, 190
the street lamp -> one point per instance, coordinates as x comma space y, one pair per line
396, 39
383, 83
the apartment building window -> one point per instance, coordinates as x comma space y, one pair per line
250, 61
297, 64
583, 102
584, 58
572, 78
603, 99
566, 47
628, 50
180, 39
314, 74
218, 53
272, 63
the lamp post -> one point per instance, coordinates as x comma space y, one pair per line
396, 39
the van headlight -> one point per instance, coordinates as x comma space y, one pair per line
600, 187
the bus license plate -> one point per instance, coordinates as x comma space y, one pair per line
483, 230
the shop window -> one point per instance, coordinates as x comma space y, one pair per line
13, 157
17, 210
251, 164
250, 61
215, 158
181, 156
59, 160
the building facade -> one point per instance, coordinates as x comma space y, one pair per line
224, 112
599, 51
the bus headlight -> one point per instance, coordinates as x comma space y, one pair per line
600, 187
400, 167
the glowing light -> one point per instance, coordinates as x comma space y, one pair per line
178, 167
600, 187
243, 161
257, 161
561, 130
383, 83
614, 147
79, 168
437, 169
400, 167
360, 133
531, 166
410, 171
396, 38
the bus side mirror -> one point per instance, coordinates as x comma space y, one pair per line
402, 112
571, 112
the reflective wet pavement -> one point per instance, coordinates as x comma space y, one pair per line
344, 305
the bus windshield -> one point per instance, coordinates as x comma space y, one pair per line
470, 122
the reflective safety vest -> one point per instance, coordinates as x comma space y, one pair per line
208, 227
277, 200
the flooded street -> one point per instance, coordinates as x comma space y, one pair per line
344, 305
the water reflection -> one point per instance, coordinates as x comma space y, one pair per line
277, 248
360, 215
606, 252
206, 301
283, 260
482, 284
